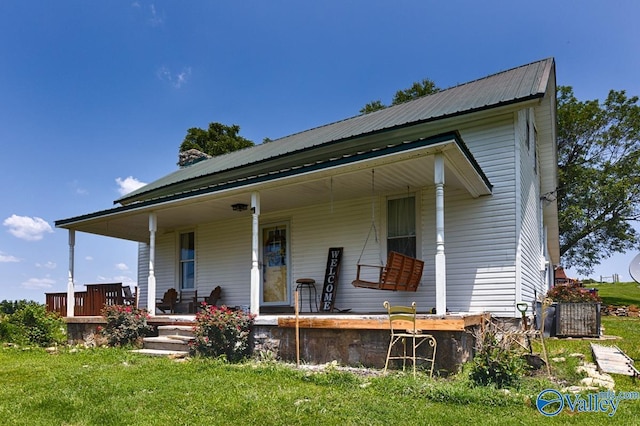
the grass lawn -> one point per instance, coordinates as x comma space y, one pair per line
108, 386
619, 294
115, 387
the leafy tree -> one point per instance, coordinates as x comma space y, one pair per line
11, 306
599, 177
417, 90
372, 106
218, 139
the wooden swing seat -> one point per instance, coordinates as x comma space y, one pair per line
401, 273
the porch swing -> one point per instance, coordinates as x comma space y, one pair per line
401, 272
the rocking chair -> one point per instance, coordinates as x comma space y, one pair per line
401, 273
168, 301
213, 297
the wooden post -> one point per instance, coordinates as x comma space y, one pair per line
295, 297
71, 297
255, 249
440, 261
151, 282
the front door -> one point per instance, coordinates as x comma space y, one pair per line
275, 264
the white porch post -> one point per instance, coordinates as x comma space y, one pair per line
151, 283
441, 267
71, 296
255, 267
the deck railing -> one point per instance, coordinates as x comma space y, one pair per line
90, 302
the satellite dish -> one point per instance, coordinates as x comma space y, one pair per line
634, 268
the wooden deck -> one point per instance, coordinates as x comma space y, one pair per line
90, 302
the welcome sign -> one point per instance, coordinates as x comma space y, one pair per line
331, 279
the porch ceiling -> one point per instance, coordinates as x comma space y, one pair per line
398, 173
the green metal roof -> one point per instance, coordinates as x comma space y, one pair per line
343, 137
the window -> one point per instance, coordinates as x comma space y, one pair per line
187, 261
401, 225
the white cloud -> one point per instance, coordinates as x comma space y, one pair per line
38, 283
75, 186
27, 228
7, 258
177, 80
88, 258
128, 184
122, 266
156, 18
48, 265
126, 281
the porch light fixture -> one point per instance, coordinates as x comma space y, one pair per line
239, 207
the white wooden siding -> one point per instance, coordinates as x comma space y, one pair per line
143, 274
165, 264
480, 239
529, 235
223, 257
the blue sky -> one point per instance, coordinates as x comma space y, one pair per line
96, 97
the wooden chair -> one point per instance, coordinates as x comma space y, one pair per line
401, 273
402, 324
168, 301
214, 296
129, 296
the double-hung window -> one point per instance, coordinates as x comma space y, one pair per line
187, 261
401, 225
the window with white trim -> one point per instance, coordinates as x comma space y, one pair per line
187, 261
401, 225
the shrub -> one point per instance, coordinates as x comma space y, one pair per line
126, 325
11, 306
30, 323
572, 293
221, 331
496, 363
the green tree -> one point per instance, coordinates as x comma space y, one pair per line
599, 177
417, 90
218, 139
372, 106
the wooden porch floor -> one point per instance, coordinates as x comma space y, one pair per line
449, 322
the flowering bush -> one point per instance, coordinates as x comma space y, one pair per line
126, 325
222, 331
572, 293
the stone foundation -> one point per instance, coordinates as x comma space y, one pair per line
359, 348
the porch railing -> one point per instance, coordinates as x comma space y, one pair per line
90, 302
57, 302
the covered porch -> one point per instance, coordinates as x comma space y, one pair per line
395, 169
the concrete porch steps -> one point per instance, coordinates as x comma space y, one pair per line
172, 341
